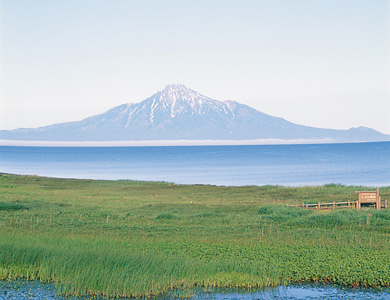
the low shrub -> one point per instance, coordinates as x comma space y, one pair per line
9, 206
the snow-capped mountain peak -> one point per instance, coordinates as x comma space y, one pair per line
178, 100
174, 93
176, 87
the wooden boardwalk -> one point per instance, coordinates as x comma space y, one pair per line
335, 205
365, 199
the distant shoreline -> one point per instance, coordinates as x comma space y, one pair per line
366, 186
167, 143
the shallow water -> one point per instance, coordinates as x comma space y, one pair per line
299, 292
33, 290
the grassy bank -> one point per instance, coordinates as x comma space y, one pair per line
126, 238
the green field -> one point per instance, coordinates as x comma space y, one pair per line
133, 239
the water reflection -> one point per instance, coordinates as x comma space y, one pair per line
22, 290
298, 292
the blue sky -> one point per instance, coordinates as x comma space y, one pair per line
322, 63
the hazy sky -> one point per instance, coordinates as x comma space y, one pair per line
322, 63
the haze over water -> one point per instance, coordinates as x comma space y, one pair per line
290, 165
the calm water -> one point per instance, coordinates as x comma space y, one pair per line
22, 290
34, 290
292, 165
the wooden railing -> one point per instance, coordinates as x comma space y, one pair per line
333, 205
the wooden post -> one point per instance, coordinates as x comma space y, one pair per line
378, 200
303, 205
334, 204
368, 219
319, 206
349, 204
357, 205
386, 204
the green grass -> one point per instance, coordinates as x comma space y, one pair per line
142, 239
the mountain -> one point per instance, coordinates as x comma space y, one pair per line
179, 113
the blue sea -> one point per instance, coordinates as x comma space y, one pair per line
289, 165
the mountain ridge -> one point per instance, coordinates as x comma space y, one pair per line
179, 113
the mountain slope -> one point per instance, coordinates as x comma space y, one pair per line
178, 112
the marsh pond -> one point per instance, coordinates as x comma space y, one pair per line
34, 290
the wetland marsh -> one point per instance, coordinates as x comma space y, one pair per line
134, 238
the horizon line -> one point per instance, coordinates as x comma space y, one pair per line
160, 143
